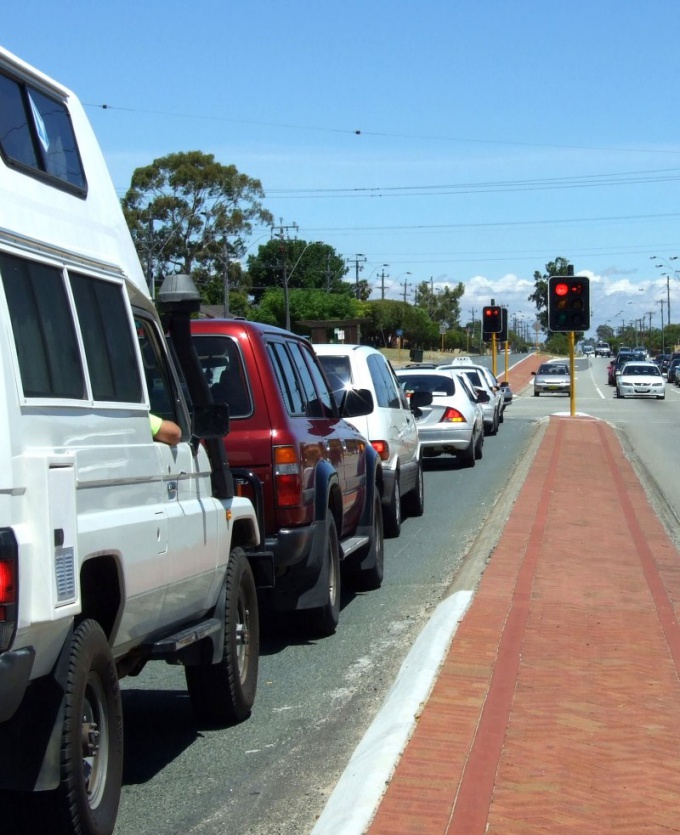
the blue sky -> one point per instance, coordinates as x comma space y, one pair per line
452, 140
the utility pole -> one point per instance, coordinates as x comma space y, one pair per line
281, 232
405, 284
382, 284
358, 259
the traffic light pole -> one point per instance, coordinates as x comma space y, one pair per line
493, 354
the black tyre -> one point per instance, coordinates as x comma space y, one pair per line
536, 393
414, 502
392, 513
468, 458
224, 693
323, 620
369, 579
91, 740
479, 449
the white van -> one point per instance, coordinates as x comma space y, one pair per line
114, 549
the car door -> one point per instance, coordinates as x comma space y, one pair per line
189, 507
343, 444
402, 430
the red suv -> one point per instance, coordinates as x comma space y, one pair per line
321, 480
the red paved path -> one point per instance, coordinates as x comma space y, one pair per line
557, 709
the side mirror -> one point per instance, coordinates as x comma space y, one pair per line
357, 402
210, 420
504, 384
482, 396
533, 373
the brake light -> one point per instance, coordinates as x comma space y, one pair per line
382, 448
9, 587
452, 415
287, 481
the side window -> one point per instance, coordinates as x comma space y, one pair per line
286, 377
222, 365
108, 340
381, 392
313, 404
36, 133
44, 332
325, 402
159, 380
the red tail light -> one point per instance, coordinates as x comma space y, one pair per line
287, 481
9, 587
382, 448
452, 415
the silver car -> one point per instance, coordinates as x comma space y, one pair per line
452, 424
552, 377
390, 427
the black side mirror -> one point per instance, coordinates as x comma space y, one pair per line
357, 402
482, 396
210, 420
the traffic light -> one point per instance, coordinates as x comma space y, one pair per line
502, 334
568, 303
492, 320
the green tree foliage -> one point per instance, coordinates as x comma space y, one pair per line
441, 305
605, 333
304, 305
307, 265
189, 213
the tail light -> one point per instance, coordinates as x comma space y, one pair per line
382, 448
452, 415
9, 587
287, 481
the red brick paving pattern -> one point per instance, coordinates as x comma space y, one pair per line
557, 709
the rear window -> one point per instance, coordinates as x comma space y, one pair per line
435, 384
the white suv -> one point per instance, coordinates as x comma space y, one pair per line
390, 427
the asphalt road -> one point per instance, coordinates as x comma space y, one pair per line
272, 774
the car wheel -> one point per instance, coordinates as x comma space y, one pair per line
392, 513
415, 500
536, 393
369, 579
323, 620
468, 458
91, 739
224, 693
479, 449
494, 425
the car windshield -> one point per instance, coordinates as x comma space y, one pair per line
631, 370
553, 369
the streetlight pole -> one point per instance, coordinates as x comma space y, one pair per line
665, 265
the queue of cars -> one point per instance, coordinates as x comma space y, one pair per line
633, 374
336, 440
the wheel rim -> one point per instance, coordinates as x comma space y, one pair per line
243, 634
95, 740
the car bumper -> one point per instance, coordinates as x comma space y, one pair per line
634, 391
15, 674
547, 389
437, 440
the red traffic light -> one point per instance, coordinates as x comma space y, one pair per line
561, 289
492, 319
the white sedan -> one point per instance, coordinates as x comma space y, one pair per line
640, 379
